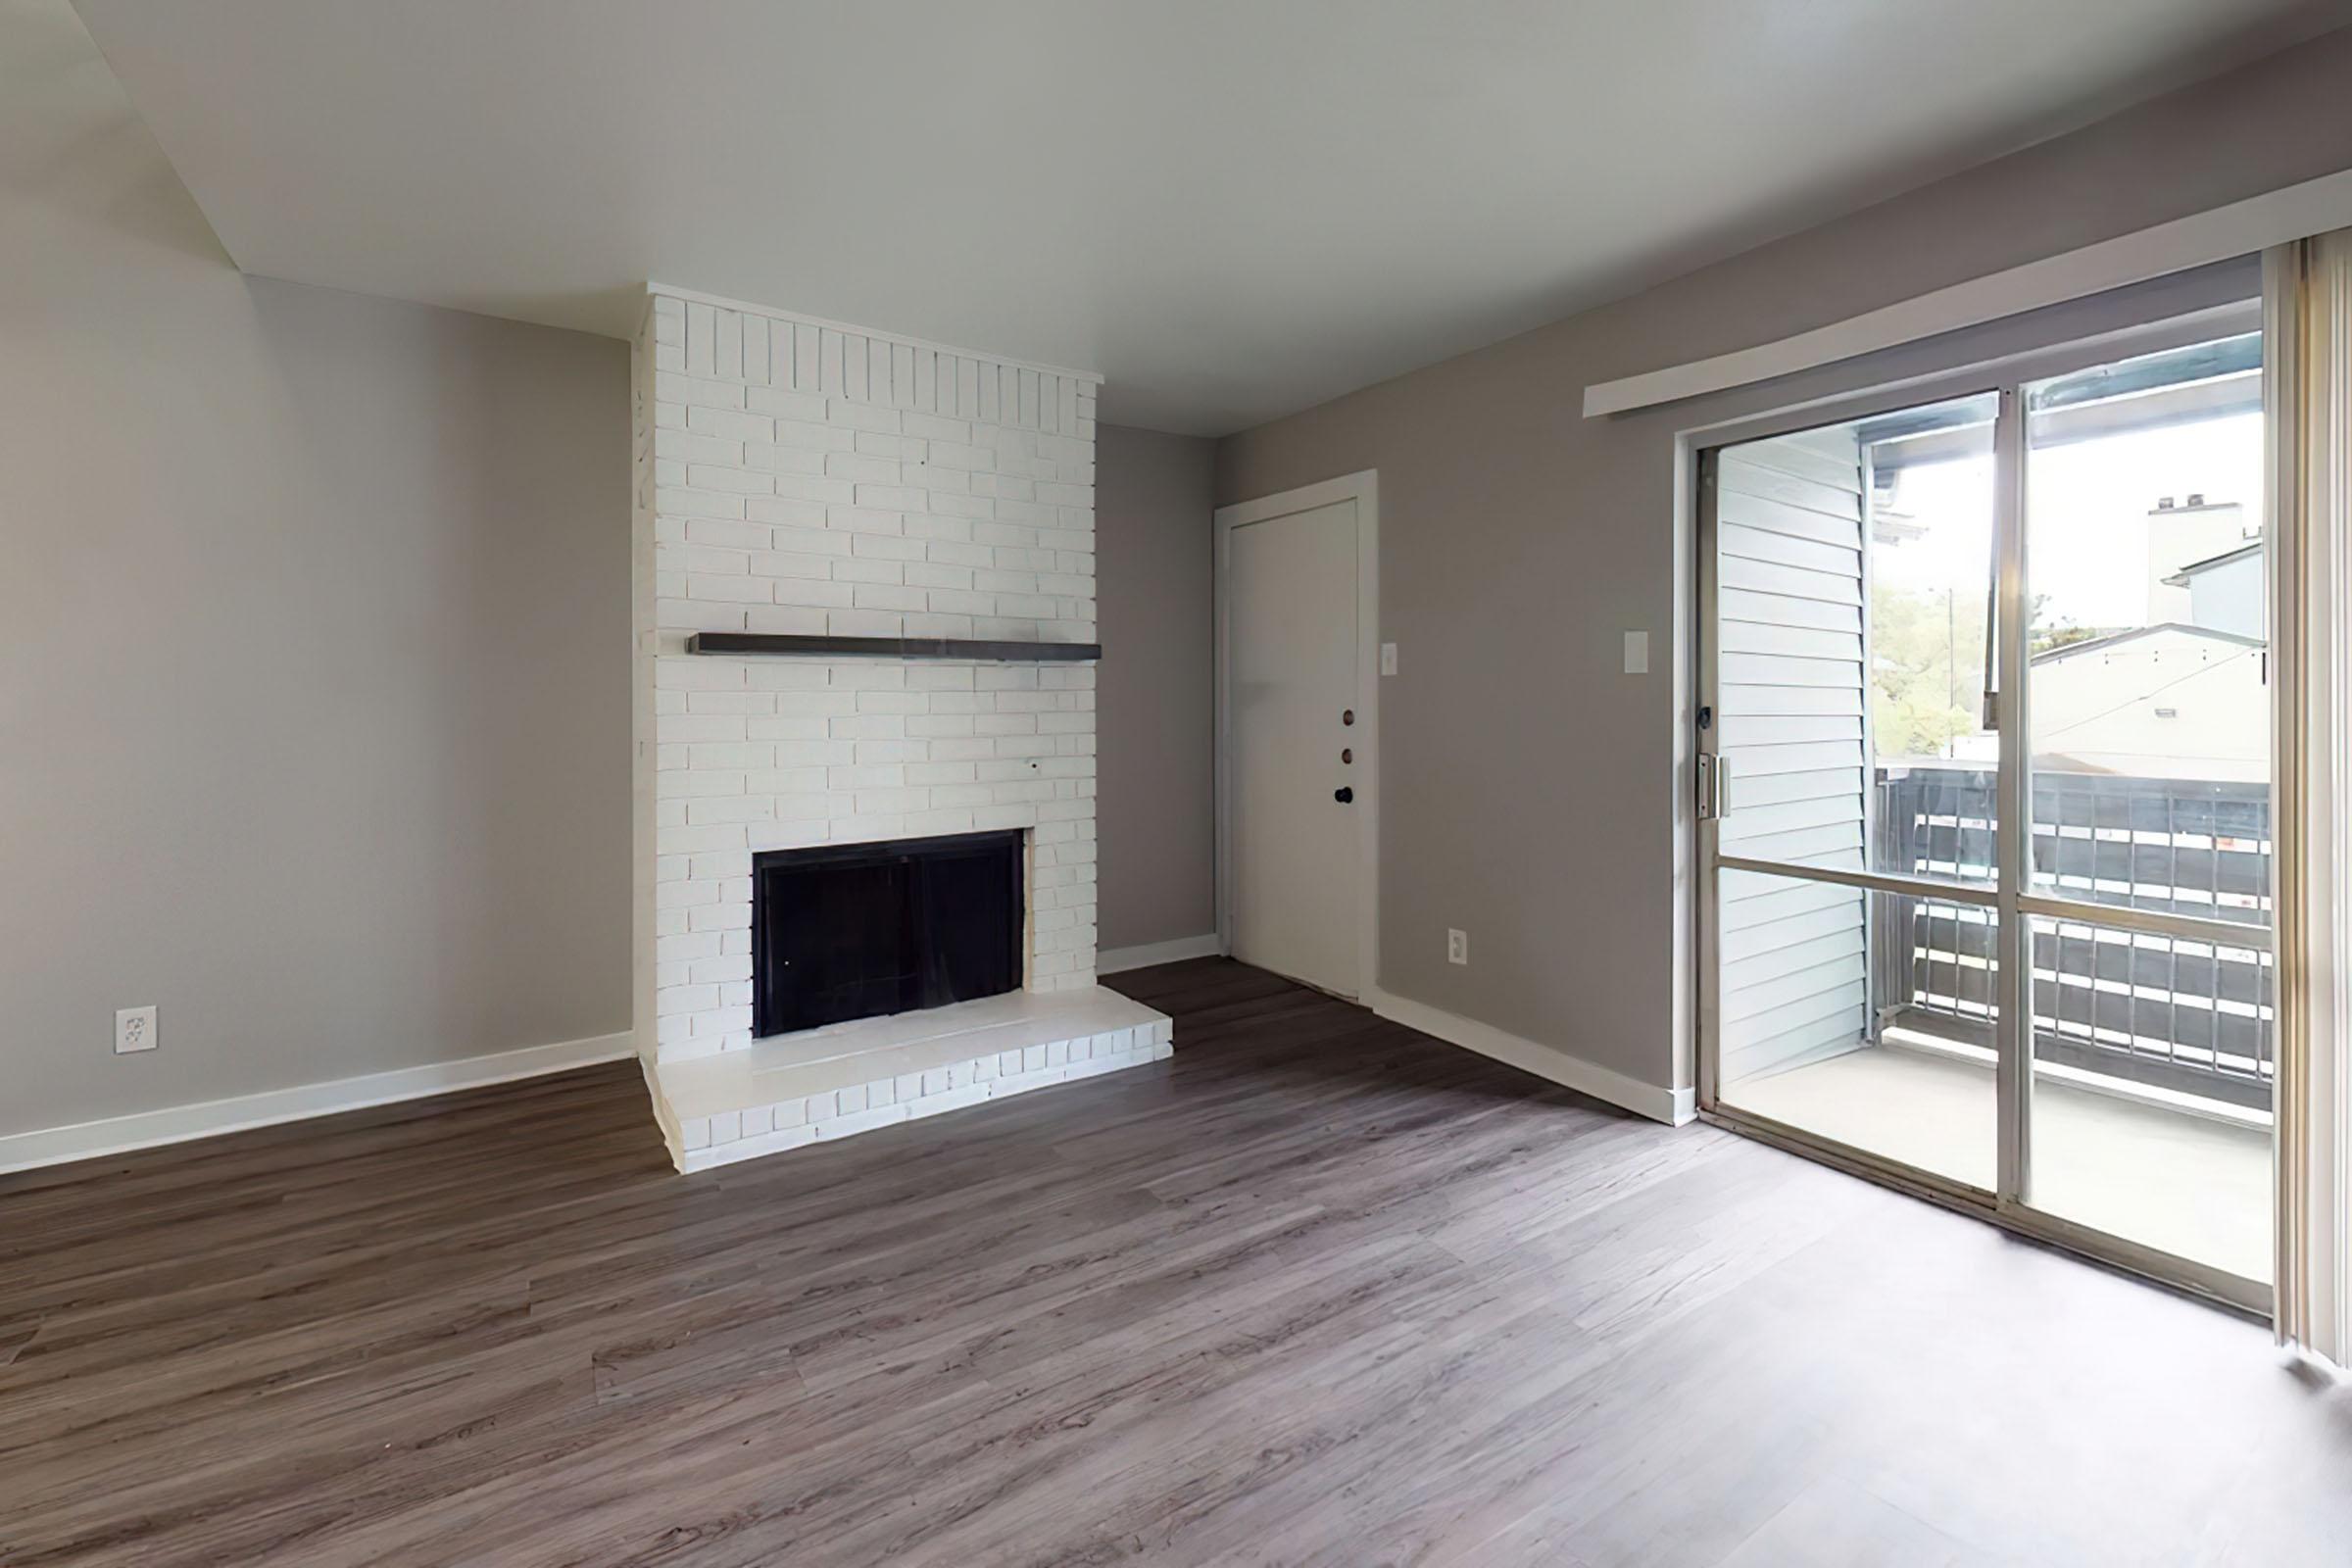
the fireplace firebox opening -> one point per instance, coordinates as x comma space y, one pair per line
863, 930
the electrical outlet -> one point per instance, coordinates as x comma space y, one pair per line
134, 1030
1457, 947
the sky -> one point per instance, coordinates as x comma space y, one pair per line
2087, 525
2087, 515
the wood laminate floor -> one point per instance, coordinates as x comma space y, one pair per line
1320, 1290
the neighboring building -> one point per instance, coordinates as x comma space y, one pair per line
2195, 530
2186, 696
2156, 702
2226, 591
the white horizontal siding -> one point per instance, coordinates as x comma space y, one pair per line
1753, 820
1783, 609
1834, 950
1836, 994
1760, 761
1761, 668
1800, 523
1794, 699
1802, 582
1785, 730
1755, 544
1794, 642
1792, 716
1826, 462
1784, 930
1753, 899
1742, 475
1772, 789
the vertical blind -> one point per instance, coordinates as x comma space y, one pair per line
2310, 368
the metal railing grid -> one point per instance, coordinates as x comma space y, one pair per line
2184, 1014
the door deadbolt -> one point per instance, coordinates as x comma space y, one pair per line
1348, 715
1347, 754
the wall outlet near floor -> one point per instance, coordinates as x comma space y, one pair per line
1457, 947
134, 1030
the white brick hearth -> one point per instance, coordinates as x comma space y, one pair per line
850, 1078
798, 476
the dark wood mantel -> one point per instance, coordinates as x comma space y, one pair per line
819, 646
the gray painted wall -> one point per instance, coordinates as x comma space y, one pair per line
314, 727
1793, 519
1531, 790
1155, 714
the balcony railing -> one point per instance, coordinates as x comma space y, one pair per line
2165, 1012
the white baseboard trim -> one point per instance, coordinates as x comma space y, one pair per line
1111, 961
1673, 1107
174, 1124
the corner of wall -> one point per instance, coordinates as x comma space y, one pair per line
641, 692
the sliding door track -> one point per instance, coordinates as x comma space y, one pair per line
2246, 1297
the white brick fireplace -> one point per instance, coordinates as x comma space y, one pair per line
800, 477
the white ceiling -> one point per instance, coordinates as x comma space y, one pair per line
1233, 209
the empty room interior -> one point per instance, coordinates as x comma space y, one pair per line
1200, 783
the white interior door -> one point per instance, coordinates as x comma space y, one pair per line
1295, 761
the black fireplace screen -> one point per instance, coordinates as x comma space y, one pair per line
859, 930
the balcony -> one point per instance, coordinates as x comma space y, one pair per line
2154, 1054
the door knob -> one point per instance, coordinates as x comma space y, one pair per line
1344, 795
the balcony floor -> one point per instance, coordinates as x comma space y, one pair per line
2184, 1184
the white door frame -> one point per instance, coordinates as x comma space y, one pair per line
1363, 488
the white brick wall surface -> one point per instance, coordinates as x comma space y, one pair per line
797, 476
773, 1127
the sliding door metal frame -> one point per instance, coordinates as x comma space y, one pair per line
2150, 922
2013, 813
1707, 695
1978, 379
2008, 1204
1915, 887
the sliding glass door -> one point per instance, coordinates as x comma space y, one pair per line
1983, 797
1851, 776
2148, 701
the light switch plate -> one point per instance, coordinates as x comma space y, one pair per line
1636, 653
1387, 658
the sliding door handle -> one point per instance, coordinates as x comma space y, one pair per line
1714, 785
